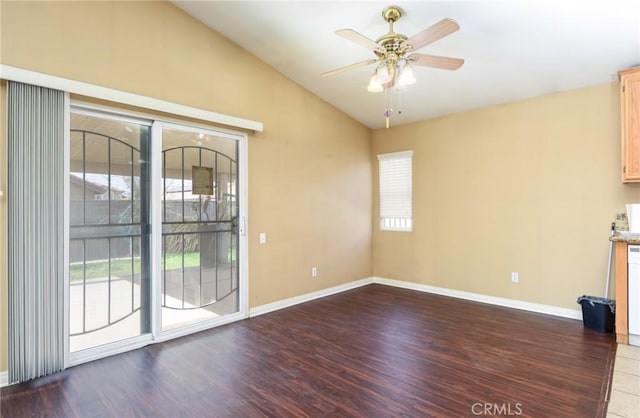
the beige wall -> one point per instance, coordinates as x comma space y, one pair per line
309, 171
531, 186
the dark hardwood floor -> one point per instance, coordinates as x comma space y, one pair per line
375, 351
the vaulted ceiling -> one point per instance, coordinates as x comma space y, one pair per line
512, 49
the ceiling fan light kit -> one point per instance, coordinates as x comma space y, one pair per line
374, 83
405, 77
395, 56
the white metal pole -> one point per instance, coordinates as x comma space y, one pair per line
606, 289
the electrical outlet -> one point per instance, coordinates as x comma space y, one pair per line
314, 271
263, 238
515, 277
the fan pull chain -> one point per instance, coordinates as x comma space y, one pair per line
388, 100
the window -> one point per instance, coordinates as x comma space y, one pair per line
395, 191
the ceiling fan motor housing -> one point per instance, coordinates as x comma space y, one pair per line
393, 45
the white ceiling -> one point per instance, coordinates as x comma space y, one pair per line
512, 49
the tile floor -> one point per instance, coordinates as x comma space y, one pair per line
625, 389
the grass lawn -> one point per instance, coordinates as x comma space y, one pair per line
124, 266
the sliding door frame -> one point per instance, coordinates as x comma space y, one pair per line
120, 346
156, 334
156, 225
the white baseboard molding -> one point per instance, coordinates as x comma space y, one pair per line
4, 379
477, 297
459, 294
285, 303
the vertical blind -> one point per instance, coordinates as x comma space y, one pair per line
395, 191
35, 122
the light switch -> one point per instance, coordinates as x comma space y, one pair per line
263, 238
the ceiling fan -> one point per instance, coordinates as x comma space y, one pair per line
395, 52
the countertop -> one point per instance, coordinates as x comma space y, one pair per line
635, 240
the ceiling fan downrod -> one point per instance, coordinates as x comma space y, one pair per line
391, 43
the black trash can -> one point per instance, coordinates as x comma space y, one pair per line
598, 313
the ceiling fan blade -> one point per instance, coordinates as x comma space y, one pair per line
431, 34
445, 63
348, 67
359, 38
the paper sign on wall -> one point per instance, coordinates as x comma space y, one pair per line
202, 180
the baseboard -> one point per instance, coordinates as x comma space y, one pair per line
477, 297
4, 379
459, 294
285, 303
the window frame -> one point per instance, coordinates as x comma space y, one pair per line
396, 223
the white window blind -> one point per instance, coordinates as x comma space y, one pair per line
395, 191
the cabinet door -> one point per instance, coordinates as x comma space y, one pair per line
630, 98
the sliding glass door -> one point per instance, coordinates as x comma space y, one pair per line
109, 230
154, 231
199, 226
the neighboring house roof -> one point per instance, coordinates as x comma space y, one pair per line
99, 183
